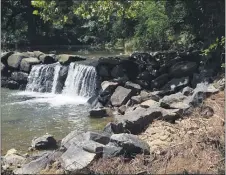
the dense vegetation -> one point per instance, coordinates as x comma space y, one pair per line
133, 25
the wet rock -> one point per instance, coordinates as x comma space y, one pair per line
206, 111
136, 88
14, 60
19, 77
103, 71
183, 69
12, 84
75, 159
160, 81
130, 143
67, 59
175, 85
27, 63
175, 101
187, 91
35, 166
44, 142
46, 59
120, 96
100, 112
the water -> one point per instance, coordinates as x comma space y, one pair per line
28, 114
55, 78
81, 80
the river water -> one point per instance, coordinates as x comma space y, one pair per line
25, 115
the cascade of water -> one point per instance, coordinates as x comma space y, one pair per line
40, 78
55, 78
81, 80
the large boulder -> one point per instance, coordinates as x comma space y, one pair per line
44, 142
102, 71
130, 143
175, 101
149, 103
120, 96
182, 69
67, 59
28, 54
108, 86
20, 77
37, 54
12, 84
14, 60
205, 76
175, 85
118, 71
27, 63
112, 150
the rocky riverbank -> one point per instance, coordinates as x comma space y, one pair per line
136, 90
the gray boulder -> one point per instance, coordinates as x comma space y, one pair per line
44, 142
136, 100
112, 150
93, 147
175, 101
149, 103
27, 63
175, 85
108, 86
103, 71
117, 71
100, 112
122, 109
67, 59
19, 77
37, 54
120, 96
35, 166
130, 143
46, 59
75, 159
14, 60
12, 84
136, 88
28, 54
114, 128
182, 69
5, 56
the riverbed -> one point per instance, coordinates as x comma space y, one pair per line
25, 115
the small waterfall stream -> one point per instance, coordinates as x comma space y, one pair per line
55, 78
81, 80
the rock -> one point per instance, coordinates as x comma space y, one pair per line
175, 101
160, 81
13, 84
130, 143
27, 63
73, 138
35, 166
19, 77
110, 150
187, 91
136, 88
182, 69
75, 159
122, 109
37, 54
5, 56
28, 54
202, 77
103, 71
206, 111
93, 147
155, 95
14, 60
2, 67
67, 59
46, 59
117, 71
44, 142
120, 96
113, 128
100, 112
220, 84
108, 86
175, 85
136, 100
149, 103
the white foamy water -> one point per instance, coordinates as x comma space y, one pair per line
81, 80
55, 78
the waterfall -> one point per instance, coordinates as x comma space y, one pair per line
55, 78
81, 80
40, 78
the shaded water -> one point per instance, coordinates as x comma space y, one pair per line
25, 115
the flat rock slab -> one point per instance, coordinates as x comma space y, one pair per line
120, 96
27, 63
75, 159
